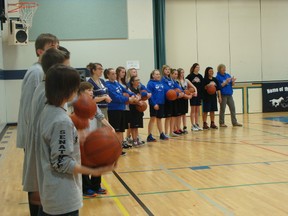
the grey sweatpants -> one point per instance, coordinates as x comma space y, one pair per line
227, 100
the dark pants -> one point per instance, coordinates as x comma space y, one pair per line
93, 183
74, 213
227, 100
34, 203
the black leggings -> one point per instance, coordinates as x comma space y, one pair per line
93, 183
74, 213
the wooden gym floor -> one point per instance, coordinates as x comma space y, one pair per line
231, 171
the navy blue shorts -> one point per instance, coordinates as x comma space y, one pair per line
157, 113
195, 101
210, 106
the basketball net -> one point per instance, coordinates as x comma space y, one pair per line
26, 11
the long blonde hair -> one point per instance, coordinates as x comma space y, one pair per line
128, 74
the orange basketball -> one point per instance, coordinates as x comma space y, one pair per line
191, 89
102, 147
84, 106
144, 95
141, 107
79, 123
211, 89
171, 95
84, 160
187, 92
178, 90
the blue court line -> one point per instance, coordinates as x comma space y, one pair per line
208, 199
200, 168
283, 119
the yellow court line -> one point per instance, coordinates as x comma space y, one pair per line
120, 206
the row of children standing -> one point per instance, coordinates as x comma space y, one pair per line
126, 117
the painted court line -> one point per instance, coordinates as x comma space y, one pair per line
162, 192
209, 165
267, 149
208, 199
120, 206
139, 201
243, 185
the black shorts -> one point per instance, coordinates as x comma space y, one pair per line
175, 108
127, 118
183, 106
117, 120
136, 117
210, 106
195, 101
157, 113
168, 109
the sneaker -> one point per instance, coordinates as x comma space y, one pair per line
101, 191
194, 128
163, 137
185, 130
140, 140
177, 132
213, 126
136, 144
89, 193
150, 138
205, 126
223, 125
123, 153
237, 125
174, 135
125, 145
181, 131
199, 128
129, 140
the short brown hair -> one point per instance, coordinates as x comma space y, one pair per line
44, 39
51, 57
65, 52
220, 66
84, 86
61, 82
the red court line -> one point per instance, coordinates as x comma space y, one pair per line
267, 149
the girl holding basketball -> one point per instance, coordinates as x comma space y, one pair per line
121, 78
210, 98
116, 109
132, 72
156, 104
137, 116
176, 114
168, 84
185, 84
197, 80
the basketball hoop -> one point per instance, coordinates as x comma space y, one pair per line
26, 11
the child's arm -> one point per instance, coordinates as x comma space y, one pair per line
106, 123
62, 152
190, 84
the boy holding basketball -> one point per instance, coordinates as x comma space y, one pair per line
92, 185
58, 153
